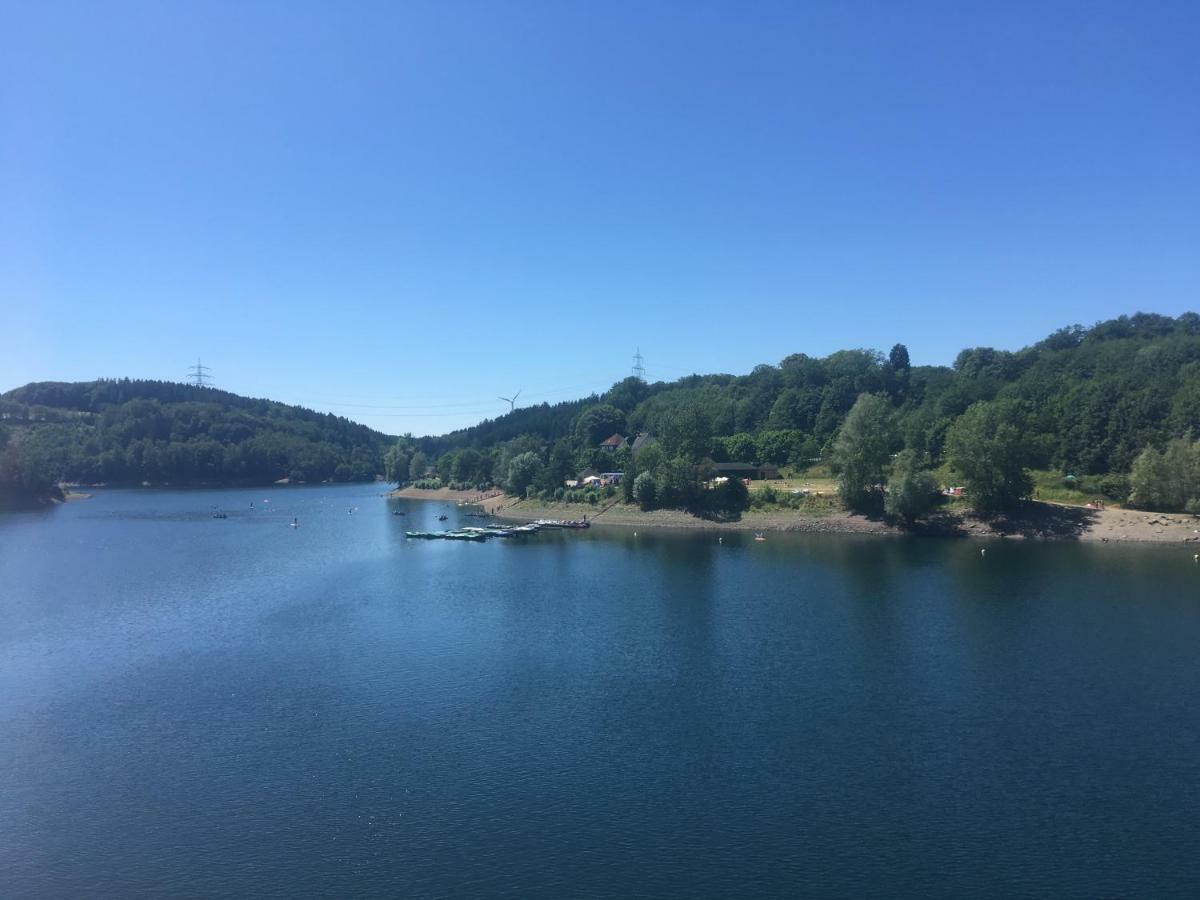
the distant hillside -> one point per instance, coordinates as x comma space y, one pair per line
1094, 396
1085, 401
129, 432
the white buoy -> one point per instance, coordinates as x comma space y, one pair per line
983, 551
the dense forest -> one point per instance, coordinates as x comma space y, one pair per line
1084, 402
129, 432
1116, 406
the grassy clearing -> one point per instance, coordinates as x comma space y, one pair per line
1055, 487
823, 484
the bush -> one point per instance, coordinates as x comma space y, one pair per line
729, 498
912, 490
1166, 481
1114, 487
645, 490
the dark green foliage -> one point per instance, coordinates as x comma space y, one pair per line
912, 491
597, 423
728, 499
1168, 481
129, 432
417, 466
686, 432
778, 447
522, 471
560, 468
863, 448
678, 484
1095, 398
1090, 401
396, 461
739, 448
627, 394
23, 474
987, 446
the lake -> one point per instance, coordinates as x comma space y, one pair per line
193, 706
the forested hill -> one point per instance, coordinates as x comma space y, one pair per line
1084, 400
129, 431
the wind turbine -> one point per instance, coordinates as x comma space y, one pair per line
511, 401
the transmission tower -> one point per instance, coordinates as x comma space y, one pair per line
198, 374
639, 370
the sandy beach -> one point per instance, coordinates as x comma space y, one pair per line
1045, 521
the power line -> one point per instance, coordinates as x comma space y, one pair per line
199, 374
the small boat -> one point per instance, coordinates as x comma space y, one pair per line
295, 523
758, 536
464, 536
396, 512
442, 518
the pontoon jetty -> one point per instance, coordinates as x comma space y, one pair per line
477, 533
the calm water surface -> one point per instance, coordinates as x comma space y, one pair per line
193, 706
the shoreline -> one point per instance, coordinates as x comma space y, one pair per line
1036, 521
489, 501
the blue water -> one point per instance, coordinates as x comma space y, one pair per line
198, 707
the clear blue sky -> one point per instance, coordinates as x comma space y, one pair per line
421, 206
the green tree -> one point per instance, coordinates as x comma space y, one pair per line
730, 498
1148, 481
597, 423
417, 466
468, 465
678, 486
395, 463
912, 491
986, 446
560, 468
741, 447
645, 490
862, 449
445, 466
523, 469
627, 394
778, 447
646, 459
687, 433
1166, 481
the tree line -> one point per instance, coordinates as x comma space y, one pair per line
1118, 403
1085, 401
130, 432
